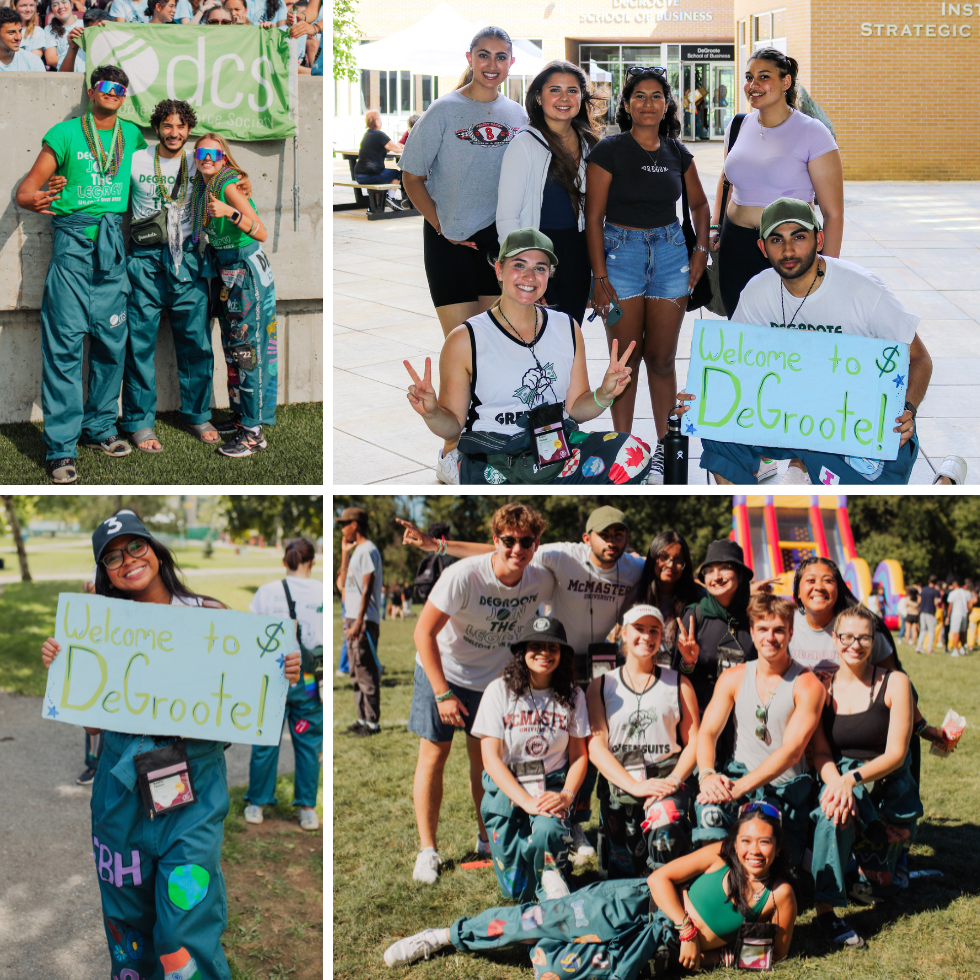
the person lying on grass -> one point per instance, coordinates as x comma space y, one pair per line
706, 903
517, 368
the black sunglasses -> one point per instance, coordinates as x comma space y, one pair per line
508, 542
644, 69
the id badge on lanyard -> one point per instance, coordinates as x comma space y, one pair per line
531, 777
164, 779
545, 423
602, 658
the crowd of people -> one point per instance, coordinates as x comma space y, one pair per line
43, 35
180, 936
941, 616
735, 740
575, 221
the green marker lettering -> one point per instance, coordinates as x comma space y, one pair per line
758, 402
139, 694
246, 711
111, 698
843, 423
95, 634
103, 669
224, 645
792, 361
862, 425
704, 396
70, 633
835, 360
220, 695
207, 713
711, 357
163, 638
157, 701
786, 417
738, 418
881, 419
262, 694
211, 637
183, 709
832, 429
741, 337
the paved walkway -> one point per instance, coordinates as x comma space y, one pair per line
923, 239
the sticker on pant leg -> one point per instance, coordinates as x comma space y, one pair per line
537, 957
712, 816
870, 469
130, 974
179, 966
570, 962
827, 477
580, 920
134, 944
550, 976
587, 939
600, 962
633, 456
530, 918
516, 880
301, 726
496, 927
593, 466
263, 268
114, 930
571, 464
187, 885
493, 476
610, 436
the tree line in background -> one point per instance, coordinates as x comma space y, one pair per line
273, 516
926, 535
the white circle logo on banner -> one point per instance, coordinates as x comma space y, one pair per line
136, 58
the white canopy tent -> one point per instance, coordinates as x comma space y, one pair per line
437, 45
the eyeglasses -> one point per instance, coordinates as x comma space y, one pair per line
110, 88
864, 641
136, 549
767, 808
643, 69
676, 562
508, 542
209, 153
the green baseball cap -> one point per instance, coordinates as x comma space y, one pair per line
785, 209
603, 517
523, 240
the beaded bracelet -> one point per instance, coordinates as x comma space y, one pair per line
444, 697
920, 727
442, 548
687, 668
704, 773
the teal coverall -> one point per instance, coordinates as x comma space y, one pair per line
304, 715
85, 294
603, 931
157, 286
163, 892
247, 316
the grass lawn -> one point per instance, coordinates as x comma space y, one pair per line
294, 456
931, 932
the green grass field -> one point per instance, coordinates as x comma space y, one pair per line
294, 456
932, 932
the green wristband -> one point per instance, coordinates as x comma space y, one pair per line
599, 403
444, 697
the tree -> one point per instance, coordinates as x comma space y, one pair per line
345, 36
8, 503
274, 516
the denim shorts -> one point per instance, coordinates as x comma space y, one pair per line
424, 720
651, 263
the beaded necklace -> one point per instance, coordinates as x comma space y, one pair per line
108, 164
199, 202
180, 183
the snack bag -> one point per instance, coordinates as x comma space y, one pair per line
952, 729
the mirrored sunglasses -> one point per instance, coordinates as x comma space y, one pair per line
209, 153
767, 808
111, 88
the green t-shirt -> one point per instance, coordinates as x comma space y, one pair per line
222, 233
87, 190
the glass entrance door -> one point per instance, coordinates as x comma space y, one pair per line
721, 108
695, 97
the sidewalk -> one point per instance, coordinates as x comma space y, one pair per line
922, 239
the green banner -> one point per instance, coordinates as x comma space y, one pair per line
241, 81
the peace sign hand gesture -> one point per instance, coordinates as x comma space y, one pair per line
687, 644
421, 394
617, 375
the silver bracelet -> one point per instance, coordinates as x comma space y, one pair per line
700, 248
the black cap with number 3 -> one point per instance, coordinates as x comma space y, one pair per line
125, 522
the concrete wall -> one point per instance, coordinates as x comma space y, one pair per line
31, 104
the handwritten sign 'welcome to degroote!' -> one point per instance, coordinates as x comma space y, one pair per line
169, 670
789, 389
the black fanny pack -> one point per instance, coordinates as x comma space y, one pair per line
151, 230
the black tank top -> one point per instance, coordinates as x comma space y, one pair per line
864, 734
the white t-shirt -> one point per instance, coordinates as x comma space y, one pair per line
815, 648
257, 10
23, 60
144, 194
956, 600
51, 40
586, 599
307, 593
485, 616
36, 41
851, 300
533, 726
365, 559
132, 12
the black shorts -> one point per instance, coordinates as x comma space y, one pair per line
458, 273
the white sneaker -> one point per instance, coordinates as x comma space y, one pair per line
309, 819
794, 476
953, 467
482, 847
767, 469
416, 947
427, 868
580, 843
447, 468
253, 814
554, 884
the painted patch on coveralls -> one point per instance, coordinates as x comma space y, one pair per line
587, 939
134, 944
531, 917
187, 885
179, 966
114, 930
496, 927
263, 268
301, 726
550, 976
537, 957
570, 962
578, 908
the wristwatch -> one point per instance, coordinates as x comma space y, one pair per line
857, 776
909, 407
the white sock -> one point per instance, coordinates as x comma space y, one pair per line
374, 727
432, 849
256, 429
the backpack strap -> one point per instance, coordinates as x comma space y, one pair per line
292, 607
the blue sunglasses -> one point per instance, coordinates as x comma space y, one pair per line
210, 153
111, 88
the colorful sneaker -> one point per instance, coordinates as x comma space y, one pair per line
309, 819
416, 947
426, 869
62, 470
482, 847
111, 446
580, 843
447, 468
835, 930
228, 426
245, 443
253, 814
553, 884
86, 778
